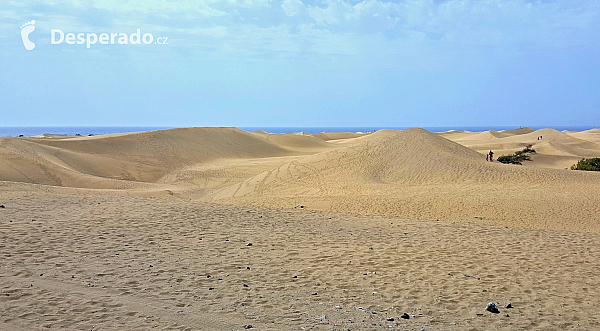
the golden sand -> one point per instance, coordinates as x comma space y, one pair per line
347, 231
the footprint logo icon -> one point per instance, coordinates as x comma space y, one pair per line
26, 29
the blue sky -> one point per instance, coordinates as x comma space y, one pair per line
305, 63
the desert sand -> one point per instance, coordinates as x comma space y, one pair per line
218, 229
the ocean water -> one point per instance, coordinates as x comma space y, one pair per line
87, 130
71, 130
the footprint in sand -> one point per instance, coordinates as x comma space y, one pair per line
26, 29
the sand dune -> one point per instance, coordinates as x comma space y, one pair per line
418, 174
135, 157
414, 156
298, 142
592, 136
518, 131
184, 230
485, 135
555, 149
383, 157
411, 173
326, 136
589, 135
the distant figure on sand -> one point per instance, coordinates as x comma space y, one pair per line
490, 156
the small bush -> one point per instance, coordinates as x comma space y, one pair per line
518, 157
587, 164
526, 150
513, 159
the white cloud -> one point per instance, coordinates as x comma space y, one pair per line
333, 14
292, 7
338, 26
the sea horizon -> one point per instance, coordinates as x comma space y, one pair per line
28, 131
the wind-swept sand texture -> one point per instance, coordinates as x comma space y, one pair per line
142, 157
420, 175
94, 261
298, 142
592, 135
558, 150
123, 231
326, 136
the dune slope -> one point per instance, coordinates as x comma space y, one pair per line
137, 157
418, 174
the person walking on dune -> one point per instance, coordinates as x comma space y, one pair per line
491, 156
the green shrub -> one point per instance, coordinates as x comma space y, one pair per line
518, 157
505, 159
514, 159
587, 164
526, 150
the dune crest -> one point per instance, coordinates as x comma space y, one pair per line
133, 157
418, 174
326, 136
409, 173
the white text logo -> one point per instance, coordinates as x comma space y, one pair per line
58, 37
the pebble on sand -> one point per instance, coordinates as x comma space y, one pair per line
491, 307
405, 316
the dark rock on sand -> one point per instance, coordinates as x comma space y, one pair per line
491, 307
405, 316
